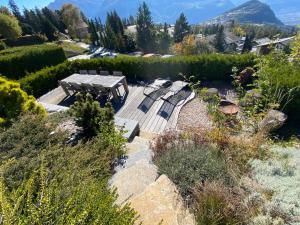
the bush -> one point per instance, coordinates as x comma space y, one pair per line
39, 201
35, 39
17, 62
216, 204
14, 101
206, 67
2, 45
90, 116
187, 164
279, 81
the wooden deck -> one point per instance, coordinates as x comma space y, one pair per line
147, 112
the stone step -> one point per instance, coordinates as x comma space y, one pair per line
133, 180
161, 203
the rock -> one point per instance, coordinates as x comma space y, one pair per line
133, 180
161, 203
273, 120
246, 75
212, 91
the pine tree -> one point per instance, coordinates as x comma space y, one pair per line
15, 10
247, 45
145, 29
182, 28
164, 41
219, 41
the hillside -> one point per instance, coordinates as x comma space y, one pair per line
252, 11
286, 11
162, 10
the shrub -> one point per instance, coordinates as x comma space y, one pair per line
13, 101
90, 116
38, 201
187, 163
17, 62
216, 204
24, 141
35, 39
206, 67
2, 45
279, 81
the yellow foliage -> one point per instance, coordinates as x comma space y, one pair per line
296, 48
13, 101
186, 47
237, 30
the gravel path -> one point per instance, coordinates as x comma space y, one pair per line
194, 115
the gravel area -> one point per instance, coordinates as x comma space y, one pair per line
194, 115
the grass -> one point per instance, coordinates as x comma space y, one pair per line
72, 49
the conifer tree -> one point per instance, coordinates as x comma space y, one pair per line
182, 28
219, 41
247, 45
164, 40
145, 29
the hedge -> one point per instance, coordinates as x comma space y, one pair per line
213, 67
35, 39
15, 63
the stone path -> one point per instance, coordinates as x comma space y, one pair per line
156, 199
194, 115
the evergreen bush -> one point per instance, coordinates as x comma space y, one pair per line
17, 62
212, 67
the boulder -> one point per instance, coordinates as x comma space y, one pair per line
212, 91
161, 203
273, 120
246, 75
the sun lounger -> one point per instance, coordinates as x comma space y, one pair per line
157, 89
176, 87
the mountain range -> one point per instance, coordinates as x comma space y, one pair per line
162, 10
168, 10
252, 11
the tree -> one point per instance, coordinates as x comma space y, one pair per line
296, 48
9, 27
15, 10
72, 18
247, 45
14, 101
182, 28
91, 117
164, 41
5, 10
145, 29
219, 42
192, 46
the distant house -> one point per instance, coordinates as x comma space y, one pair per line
279, 45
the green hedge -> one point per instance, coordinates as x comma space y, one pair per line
35, 39
15, 63
207, 67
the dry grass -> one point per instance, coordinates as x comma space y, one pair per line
217, 204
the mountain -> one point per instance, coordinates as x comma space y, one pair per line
252, 11
288, 11
162, 10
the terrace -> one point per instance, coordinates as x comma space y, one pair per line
148, 108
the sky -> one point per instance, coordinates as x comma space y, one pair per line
28, 3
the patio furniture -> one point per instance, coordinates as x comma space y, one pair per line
118, 73
92, 72
156, 89
83, 71
76, 87
104, 73
102, 84
175, 89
